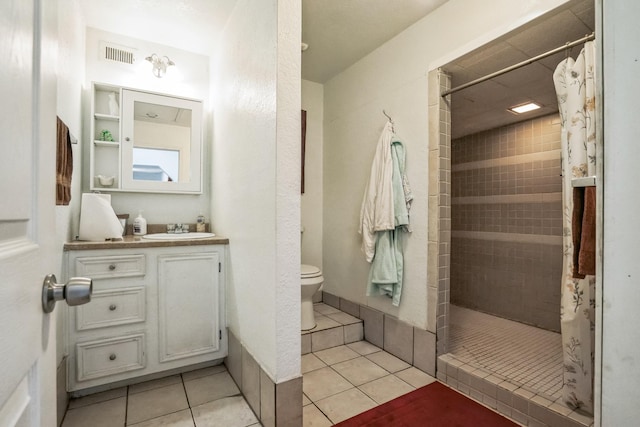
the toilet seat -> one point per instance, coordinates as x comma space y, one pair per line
309, 271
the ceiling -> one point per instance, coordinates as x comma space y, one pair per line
485, 105
192, 25
340, 32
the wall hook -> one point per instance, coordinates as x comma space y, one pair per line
393, 128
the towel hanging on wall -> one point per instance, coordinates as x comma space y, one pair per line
384, 217
64, 164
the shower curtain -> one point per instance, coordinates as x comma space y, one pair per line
575, 87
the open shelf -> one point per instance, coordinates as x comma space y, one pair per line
108, 117
114, 144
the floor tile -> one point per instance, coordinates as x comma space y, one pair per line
386, 388
110, 413
323, 383
155, 403
199, 373
177, 419
325, 309
310, 362
328, 338
345, 405
98, 397
323, 322
415, 377
388, 361
313, 417
226, 412
343, 318
359, 371
209, 388
150, 385
334, 355
363, 347
305, 400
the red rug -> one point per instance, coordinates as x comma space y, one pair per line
434, 405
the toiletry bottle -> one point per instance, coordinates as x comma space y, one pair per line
200, 225
139, 225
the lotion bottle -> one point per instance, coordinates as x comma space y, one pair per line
139, 225
200, 224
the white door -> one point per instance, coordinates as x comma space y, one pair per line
27, 211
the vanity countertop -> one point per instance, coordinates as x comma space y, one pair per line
132, 242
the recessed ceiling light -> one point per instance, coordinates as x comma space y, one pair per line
525, 108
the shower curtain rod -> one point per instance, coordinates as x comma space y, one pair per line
520, 64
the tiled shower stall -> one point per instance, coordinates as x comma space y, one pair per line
495, 246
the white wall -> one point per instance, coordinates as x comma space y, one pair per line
256, 193
621, 270
70, 70
311, 200
394, 78
188, 78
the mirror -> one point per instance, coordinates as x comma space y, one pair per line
161, 147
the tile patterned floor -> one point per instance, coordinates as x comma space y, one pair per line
343, 381
206, 397
526, 355
338, 383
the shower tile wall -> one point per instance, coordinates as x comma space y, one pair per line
506, 218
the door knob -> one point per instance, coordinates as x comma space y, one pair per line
77, 291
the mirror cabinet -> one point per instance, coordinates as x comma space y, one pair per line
144, 142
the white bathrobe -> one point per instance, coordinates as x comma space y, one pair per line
377, 213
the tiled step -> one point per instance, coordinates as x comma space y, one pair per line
333, 328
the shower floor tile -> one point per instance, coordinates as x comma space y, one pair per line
529, 356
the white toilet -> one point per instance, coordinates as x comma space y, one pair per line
310, 281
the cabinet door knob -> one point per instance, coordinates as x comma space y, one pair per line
112, 267
127, 139
112, 307
112, 356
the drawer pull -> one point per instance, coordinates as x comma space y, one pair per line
112, 307
112, 356
112, 267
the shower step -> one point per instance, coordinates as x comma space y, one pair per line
333, 328
517, 402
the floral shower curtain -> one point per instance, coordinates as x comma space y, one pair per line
575, 88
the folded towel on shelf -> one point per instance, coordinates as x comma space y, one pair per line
583, 231
587, 255
576, 228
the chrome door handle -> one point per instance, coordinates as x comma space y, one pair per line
77, 291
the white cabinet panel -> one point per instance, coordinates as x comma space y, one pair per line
111, 266
100, 358
112, 308
188, 289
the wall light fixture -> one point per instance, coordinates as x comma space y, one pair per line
160, 64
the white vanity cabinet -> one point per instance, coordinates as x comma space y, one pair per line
153, 309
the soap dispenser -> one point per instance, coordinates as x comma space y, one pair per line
139, 225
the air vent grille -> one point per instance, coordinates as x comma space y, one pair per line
122, 54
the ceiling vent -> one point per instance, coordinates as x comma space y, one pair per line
117, 53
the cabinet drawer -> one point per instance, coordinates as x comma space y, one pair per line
111, 356
111, 266
112, 308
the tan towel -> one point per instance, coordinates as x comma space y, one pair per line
587, 257
583, 230
576, 228
64, 164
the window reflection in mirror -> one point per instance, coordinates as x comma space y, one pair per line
162, 142
151, 164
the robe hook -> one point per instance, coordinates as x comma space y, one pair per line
393, 126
